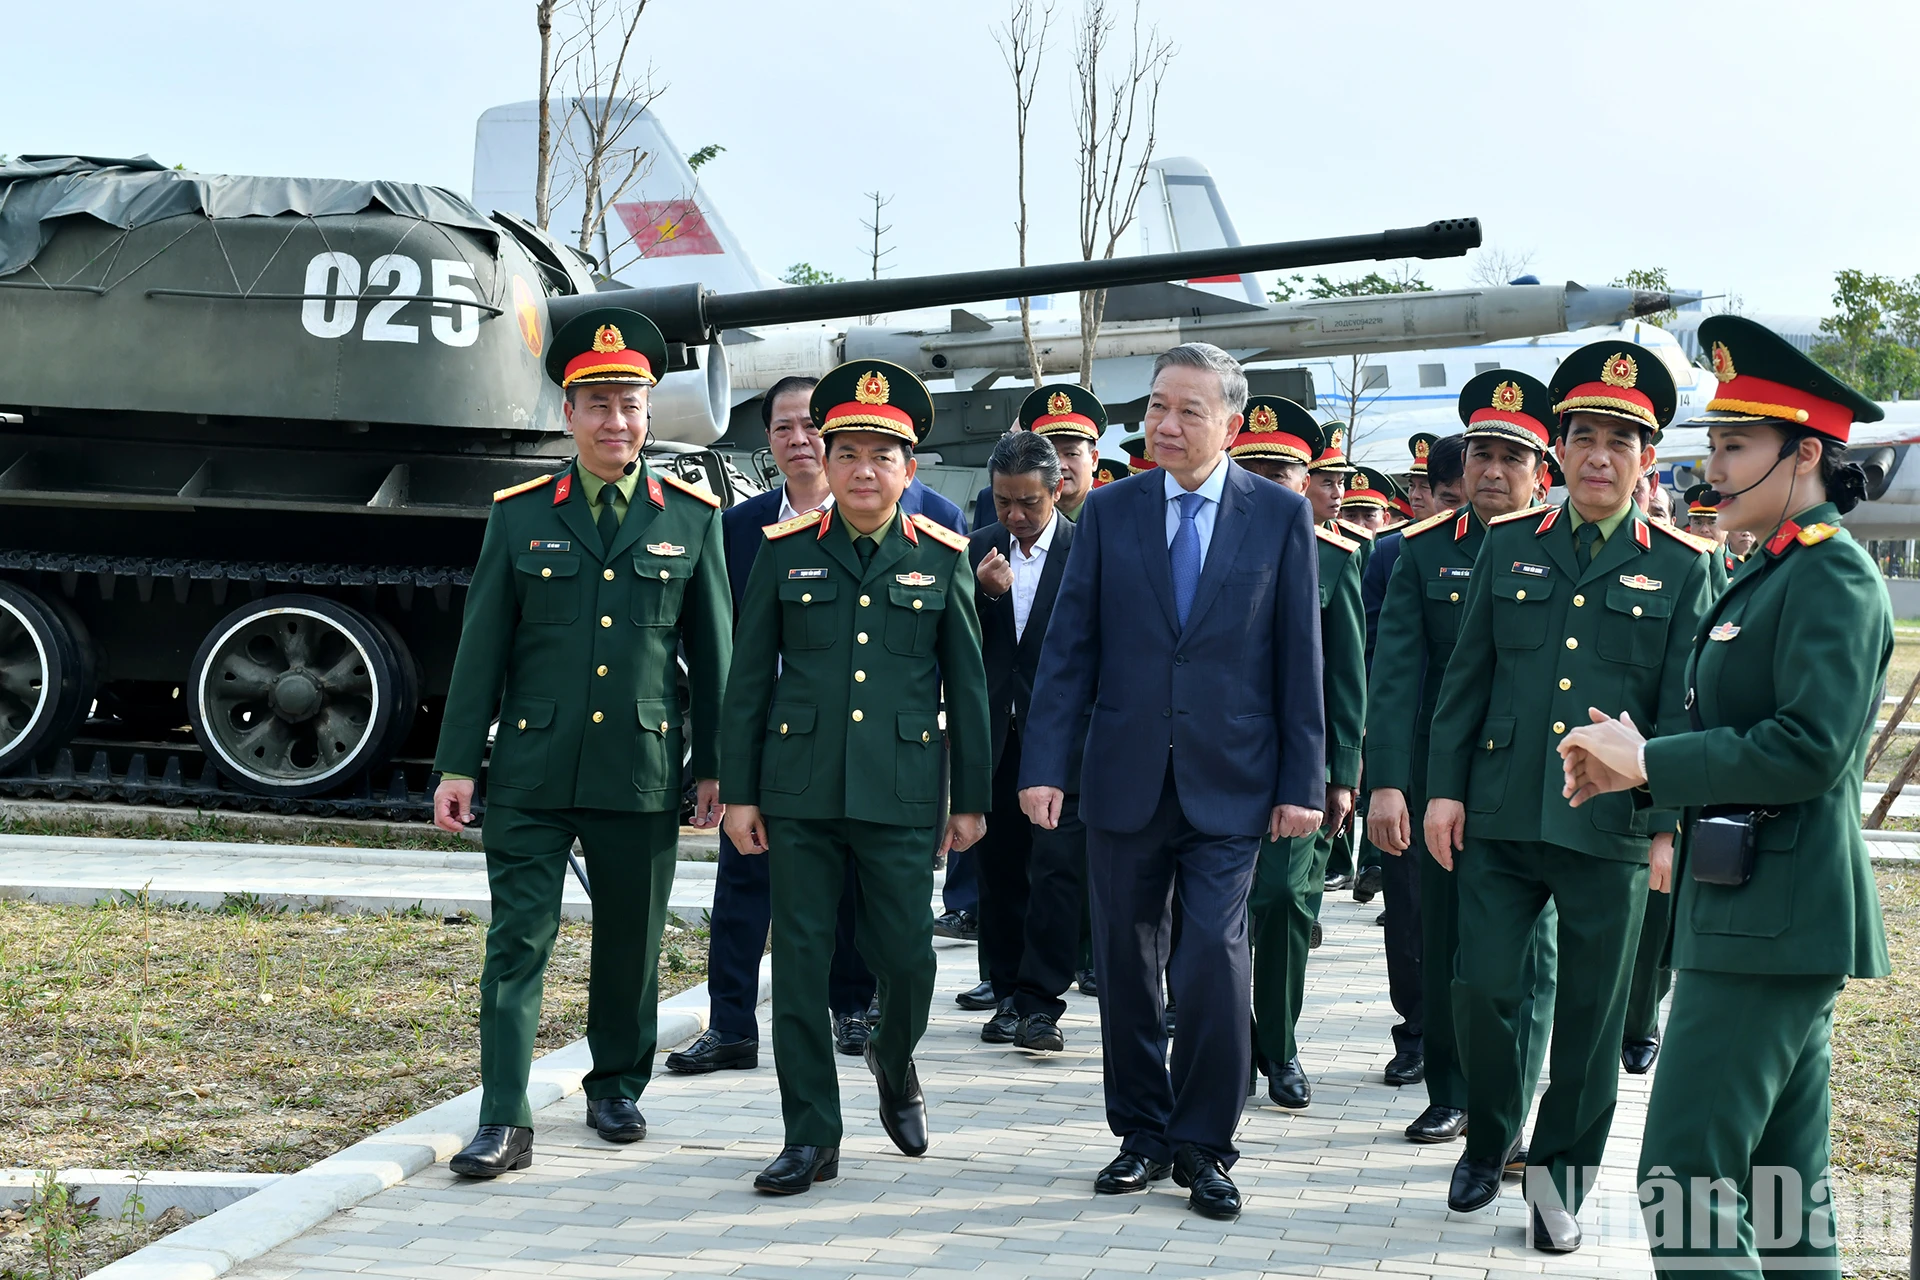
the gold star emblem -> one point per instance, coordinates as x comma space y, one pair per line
1263, 418
872, 388
607, 338
1059, 403
1723, 362
1508, 398
1620, 371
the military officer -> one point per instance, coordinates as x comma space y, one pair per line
1586, 600
1278, 440
1071, 418
1782, 691
588, 582
1507, 426
1369, 498
1703, 522
1419, 490
851, 620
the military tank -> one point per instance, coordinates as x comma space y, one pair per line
249, 433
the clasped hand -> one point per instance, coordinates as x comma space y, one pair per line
1601, 757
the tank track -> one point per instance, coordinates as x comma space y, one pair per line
186, 779
146, 572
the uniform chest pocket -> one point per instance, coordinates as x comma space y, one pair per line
1520, 611
913, 620
660, 588
549, 587
1446, 600
1633, 627
806, 613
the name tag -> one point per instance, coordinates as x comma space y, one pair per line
539, 544
1641, 582
805, 573
1725, 631
666, 549
1457, 573
915, 579
1531, 570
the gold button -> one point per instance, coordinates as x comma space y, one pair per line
865, 601
663, 726
1636, 611
859, 676
1578, 601
607, 574
916, 604
523, 724
1565, 683
862, 637
605, 621
598, 716
600, 670
1559, 726
1455, 597
1572, 643
546, 573
1489, 744
783, 728
806, 597
858, 715
664, 575
1520, 595
923, 735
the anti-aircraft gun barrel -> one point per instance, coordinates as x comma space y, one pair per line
688, 314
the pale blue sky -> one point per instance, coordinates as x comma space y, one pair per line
1749, 146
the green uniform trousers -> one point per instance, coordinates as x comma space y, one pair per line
1505, 886
1740, 1096
630, 861
1287, 882
893, 928
1651, 979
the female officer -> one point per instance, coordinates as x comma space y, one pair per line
1776, 906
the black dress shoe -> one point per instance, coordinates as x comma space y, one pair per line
903, 1113
1084, 980
616, 1119
1037, 1033
1552, 1230
1637, 1055
1211, 1191
1129, 1171
1380, 921
495, 1149
1336, 882
1001, 1026
1517, 1161
980, 997
797, 1168
1316, 937
1367, 884
711, 1052
1476, 1181
1288, 1086
1407, 1067
851, 1031
963, 926
1438, 1124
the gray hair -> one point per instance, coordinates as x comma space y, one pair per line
1020, 452
1204, 355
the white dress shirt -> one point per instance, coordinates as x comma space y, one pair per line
1211, 488
787, 511
1026, 573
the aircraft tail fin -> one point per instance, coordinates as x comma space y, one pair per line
1181, 210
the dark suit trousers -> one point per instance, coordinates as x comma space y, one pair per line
1033, 888
1400, 890
1003, 858
1154, 1106
742, 911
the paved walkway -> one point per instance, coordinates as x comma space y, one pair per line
1006, 1189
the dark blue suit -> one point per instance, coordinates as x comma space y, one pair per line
1197, 733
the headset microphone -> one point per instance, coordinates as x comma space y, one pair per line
1714, 497
628, 469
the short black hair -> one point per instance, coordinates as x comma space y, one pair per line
1447, 459
1020, 452
792, 382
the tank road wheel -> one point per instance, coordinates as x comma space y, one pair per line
291, 695
41, 677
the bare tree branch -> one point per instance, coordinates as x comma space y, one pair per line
876, 254
607, 103
1497, 265
1023, 48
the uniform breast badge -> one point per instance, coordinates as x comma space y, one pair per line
1640, 582
1725, 631
665, 549
915, 579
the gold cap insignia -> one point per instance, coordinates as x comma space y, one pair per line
1507, 397
1620, 371
1337, 440
1057, 403
1359, 481
1723, 362
872, 388
1419, 448
1263, 418
607, 338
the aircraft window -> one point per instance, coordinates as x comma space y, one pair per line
1484, 366
1374, 377
1433, 375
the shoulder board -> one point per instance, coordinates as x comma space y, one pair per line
1355, 531
1707, 544
806, 520
525, 486
939, 532
1333, 539
687, 487
1386, 529
1431, 522
1511, 516
1816, 533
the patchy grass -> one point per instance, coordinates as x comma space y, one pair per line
49, 1233
232, 829
147, 1037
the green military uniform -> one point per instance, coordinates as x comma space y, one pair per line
569, 642
832, 728
1785, 683
1419, 623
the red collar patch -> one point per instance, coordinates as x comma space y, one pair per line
1641, 536
826, 518
906, 527
655, 494
1780, 541
1546, 522
563, 488
1461, 525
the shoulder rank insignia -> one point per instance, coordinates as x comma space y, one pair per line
1725, 631
1464, 523
915, 579
1816, 533
562, 488
1511, 516
691, 489
525, 486
1546, 523
665, 549
1431, 522
1354, 530
1639, 582
1333, 539
939, 532
805, 520
1683, 537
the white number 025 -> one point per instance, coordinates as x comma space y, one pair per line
333, 289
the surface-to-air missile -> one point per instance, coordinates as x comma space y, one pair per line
249, 433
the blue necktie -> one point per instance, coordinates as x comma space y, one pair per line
1183, 557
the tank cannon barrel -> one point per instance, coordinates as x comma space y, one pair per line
687, 314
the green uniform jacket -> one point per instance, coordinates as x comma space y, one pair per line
583, 638
1787, 675
849, 727
1419, 619
1544, 638
1343, 645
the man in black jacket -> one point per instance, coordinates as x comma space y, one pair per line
1031, 880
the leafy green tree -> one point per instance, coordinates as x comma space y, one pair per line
804, 273
1287, 288
1875, 328
703, 155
